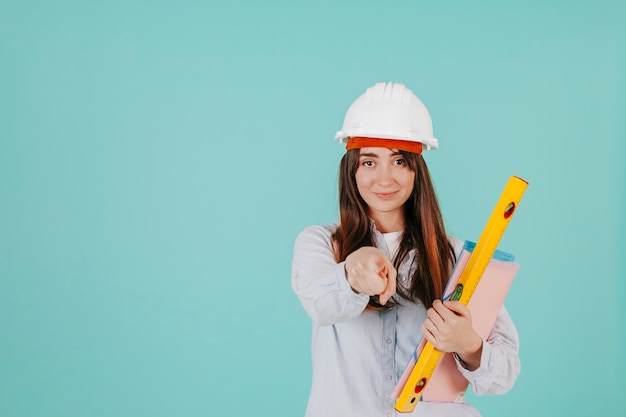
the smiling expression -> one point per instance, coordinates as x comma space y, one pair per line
384, 181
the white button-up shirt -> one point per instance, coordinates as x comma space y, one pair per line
359, 355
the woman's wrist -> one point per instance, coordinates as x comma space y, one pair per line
470, 359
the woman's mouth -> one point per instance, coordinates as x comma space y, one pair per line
385, 195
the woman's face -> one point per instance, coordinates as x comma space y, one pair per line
384, 180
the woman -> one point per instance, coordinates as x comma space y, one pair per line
372, 283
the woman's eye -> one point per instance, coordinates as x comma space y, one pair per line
400, 161
368, 163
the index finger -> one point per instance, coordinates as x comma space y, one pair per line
456, 307
390, 289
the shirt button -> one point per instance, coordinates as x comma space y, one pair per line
388, 414
388, 377
388, 341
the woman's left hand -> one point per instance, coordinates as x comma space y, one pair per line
449, 328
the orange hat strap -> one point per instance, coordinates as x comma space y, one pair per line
403, 145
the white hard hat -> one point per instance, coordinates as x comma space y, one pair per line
389, 111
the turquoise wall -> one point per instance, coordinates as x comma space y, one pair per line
157, 160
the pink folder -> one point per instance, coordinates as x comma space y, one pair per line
447, 384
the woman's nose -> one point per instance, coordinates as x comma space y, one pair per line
385, 175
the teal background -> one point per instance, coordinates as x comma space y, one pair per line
157, 160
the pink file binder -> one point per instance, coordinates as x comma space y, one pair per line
447, 384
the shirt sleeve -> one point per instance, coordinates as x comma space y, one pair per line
499, 362
320, 282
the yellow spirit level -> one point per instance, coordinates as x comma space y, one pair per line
473, 271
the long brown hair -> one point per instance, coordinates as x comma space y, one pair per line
424, 231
